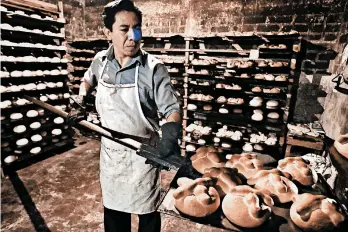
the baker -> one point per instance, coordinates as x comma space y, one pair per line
133, 87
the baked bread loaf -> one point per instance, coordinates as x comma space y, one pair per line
315, 213
197, 198
206, 157
341, 145
273, 183
299, 170
247, 207
247, 164
227, 178
257, 116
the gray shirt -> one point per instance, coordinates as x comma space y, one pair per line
156, 93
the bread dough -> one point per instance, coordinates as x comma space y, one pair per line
35, 150
11, 158
56, 131
19, 129
256, 102
32, 113
22, 142
273, 115
16, 116
35, 125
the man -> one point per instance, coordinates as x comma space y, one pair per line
132, 87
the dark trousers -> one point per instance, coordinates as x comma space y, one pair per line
116, 221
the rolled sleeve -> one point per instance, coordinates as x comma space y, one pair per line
89, 77
92, 74
164, 92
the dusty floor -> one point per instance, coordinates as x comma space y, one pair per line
62, 193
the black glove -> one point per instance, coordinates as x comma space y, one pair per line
168, 144
77, 114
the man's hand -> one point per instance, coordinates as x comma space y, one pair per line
77, 114
168, 144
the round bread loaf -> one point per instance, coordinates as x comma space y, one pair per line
256, 89
19, 129
299, 170
257, 116
64, 72
55, 60
247, 164
21, 102
272, 104
35, 150
247, 147
206, 157
32, 113
35, 125
258, 147
44, 98
269, 77
197, 198
315, 213
56, 131
273, 115
58, 120
207, 107
39, 73
60, 84
223, 111
191, 107
256, 101
273, 183
247, 207
36, 138
16, 73
227, 178
6, 104
11, 158
16, 116
190, 147
22, 142
341, 145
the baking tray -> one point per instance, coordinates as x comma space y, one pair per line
279, 221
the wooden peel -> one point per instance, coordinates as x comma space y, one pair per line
139, 144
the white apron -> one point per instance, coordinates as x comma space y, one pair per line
127, 183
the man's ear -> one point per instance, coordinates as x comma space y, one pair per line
107, 32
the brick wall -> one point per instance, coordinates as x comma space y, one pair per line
322, 23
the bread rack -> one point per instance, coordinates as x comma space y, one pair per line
281, 52
33, 37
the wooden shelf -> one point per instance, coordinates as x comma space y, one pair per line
29, 39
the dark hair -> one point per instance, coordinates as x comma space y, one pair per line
112, 8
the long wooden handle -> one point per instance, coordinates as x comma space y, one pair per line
128, 142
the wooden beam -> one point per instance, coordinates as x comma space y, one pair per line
35, 4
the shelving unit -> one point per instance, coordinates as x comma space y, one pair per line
81, 54
34, 63
212, 67
230, 79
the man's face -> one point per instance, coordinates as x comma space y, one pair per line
126, 34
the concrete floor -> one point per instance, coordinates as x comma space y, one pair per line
62, 193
